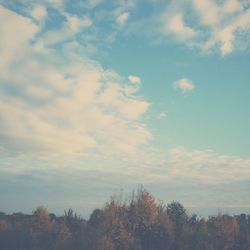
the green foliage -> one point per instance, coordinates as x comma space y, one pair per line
138, 224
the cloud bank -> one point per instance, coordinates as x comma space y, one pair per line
56, 101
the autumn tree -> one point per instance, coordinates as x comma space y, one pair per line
142, 214
41, 228
243, 239
178, 215
136, 224
224, 230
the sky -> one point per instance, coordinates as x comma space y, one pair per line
98, 97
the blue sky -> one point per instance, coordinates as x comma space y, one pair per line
99, 96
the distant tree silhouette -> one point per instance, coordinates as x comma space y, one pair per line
178, 215
243, 239
224, 231
137, 224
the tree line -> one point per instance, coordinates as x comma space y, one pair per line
139, 223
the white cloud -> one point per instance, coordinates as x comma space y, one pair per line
123, 10
122, 18
125, 6
38, 93
212, 25
184, 85
134, 79
90, 3
134, 86
114, 97
208, 11
208, 166
230, 33
176, 26
11, 44
59, 4
71, 27
162, 115
39, 13
76, 24
65, 104
231, 6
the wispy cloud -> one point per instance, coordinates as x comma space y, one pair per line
184, 84
76, 24
134, 86
161, 116
13, 46
39, 13
211, 25
123, 10
175, 25
122, 18
90, 3
208, 166
134, 79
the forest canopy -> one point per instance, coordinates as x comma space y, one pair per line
138, 223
